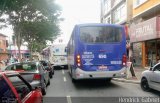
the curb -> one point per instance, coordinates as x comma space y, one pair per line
126, 81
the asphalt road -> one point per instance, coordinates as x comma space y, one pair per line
62, 90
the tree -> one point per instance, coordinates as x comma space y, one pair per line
32, 20
36, 34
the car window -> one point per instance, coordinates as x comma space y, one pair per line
9, 67
6, 94
44, 63
157, 68
24, 66
20, 86
41, 68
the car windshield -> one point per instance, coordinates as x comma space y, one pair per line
44, 63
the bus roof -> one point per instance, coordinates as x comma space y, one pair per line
98, 24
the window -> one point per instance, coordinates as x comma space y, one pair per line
65, 50
100, 34
116, 2
107, 6
120, 14
6, 94
20, 86
157, 68
44, 63
108, 19
57, 50
25, 66
139, 2
10, 67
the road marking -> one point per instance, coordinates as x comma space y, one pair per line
69, 99
64, 78
62, 71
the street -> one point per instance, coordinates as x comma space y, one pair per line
62, 90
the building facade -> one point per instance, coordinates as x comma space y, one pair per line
3, 47
116, 11
145, 32
13, 51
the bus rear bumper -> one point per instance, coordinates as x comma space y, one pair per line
80, 74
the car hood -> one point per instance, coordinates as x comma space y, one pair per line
144, 73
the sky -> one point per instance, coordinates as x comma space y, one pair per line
78, 12
74, 12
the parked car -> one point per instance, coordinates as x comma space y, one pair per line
33, 72
15, 89
151, 78
47, 65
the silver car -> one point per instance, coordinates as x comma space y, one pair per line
151, 78
33, 72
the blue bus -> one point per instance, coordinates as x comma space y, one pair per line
97, 51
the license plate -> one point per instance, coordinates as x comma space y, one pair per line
102, 67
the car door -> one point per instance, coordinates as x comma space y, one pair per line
44, 73
7, 94
25, 91
155, 77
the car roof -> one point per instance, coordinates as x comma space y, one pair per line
43, 60
24, 62
9, 73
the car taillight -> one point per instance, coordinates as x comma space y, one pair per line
78, 59
37, 77
124, 60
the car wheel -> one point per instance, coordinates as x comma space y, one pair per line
53, 72
66, 67
73, 80
108, 80
48, 82
50, 74
144, 84
44, 89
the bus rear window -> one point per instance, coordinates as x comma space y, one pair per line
100, 34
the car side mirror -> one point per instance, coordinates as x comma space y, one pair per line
150, 68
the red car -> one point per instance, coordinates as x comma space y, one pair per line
14, 89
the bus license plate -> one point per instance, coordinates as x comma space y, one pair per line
102, 67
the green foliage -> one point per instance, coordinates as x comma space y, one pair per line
33, 21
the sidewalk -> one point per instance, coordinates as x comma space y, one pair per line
138, 71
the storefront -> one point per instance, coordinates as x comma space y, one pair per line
145, 37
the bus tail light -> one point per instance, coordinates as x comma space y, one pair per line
124, 60
78, 59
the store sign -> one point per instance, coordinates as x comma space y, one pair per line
146, 30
